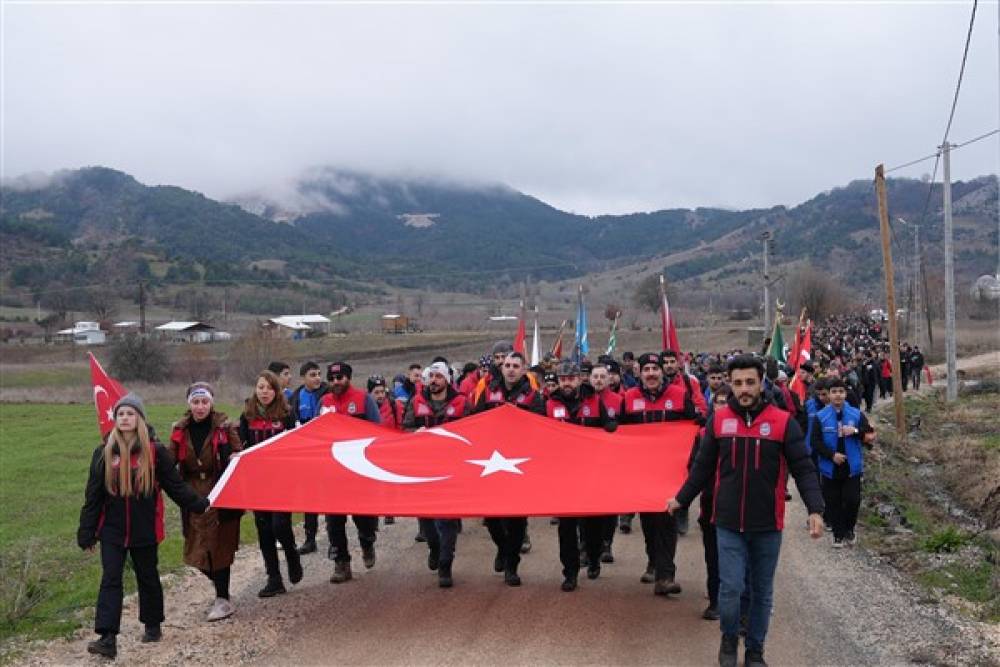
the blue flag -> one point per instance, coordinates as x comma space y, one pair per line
581, 345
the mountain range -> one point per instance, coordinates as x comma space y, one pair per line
356, 230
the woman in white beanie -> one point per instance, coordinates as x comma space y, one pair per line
201, 444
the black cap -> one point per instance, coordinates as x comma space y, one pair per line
649, 358
339, 368
614, 367
567, 367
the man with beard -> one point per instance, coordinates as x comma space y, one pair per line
437, 403
510, 386
656, 401
578, 403
348, 400
746, 449
674, 374
716, 377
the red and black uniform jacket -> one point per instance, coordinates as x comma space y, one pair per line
746, 456
522, 395
352, 402
613, 401
136, 520
584, 407
670, 402
255, 430
389, 410
421, 411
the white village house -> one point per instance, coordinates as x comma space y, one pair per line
298, 326
83, 333
190, 332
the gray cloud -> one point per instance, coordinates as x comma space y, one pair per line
593, 108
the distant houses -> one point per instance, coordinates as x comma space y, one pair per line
190, 332
296, 327
83, 333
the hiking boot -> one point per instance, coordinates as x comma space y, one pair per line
433, 559
309, 546
368, 555
606, 555
649, 576
106, 646
851, 539
294, 567
222, 608
420, 537
666, 587
754, 659
838, 543
569, 584
711, 613
510, 577
341, 572
331, 553
444, 575
584, 558
498, 563
151, 634
526, 544
728, 648
272, 588
594, 571
389, 520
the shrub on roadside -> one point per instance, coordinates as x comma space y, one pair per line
21, 589
137, 358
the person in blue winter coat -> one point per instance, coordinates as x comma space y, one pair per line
838, 435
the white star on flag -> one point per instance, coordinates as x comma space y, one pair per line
498, 463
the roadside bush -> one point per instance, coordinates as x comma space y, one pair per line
21, 589
138, 358
947, 540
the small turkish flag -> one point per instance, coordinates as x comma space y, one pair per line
107, 391
504, 462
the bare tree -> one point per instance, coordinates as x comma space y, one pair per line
252, 352
817, 293
102, 304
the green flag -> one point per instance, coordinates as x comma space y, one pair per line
777, 349
613, 338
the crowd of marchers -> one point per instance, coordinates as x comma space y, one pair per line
761, 422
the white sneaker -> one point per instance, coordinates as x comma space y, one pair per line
221, 609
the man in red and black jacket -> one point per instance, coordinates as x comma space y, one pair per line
577, 403
437, 403
601, 378
348, 400
511, 386
656, 400
748, 449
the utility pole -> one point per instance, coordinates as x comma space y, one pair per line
951, 393
917, 314
142, 306
890, 300
766, 239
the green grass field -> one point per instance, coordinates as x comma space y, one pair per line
44, 454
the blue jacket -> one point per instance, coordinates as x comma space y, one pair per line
813, 405
826, 419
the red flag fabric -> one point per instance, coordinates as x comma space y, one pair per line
519, 338
669, 330
107, 391
504, 462
557, 346
803, 352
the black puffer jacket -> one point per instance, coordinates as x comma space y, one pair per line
133, 521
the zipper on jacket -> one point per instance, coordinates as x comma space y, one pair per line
756, 461
743, 495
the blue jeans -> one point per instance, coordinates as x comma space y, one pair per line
441, 536
758, 552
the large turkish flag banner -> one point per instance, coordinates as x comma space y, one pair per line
504, 462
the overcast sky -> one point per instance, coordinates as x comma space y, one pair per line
592, 108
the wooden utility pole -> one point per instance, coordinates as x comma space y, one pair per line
142, 307
890, 304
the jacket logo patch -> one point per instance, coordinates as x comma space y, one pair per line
559, 413
352, 408
765, 429
423, 410
730, 426
669, 404
611, 412
496, 396
586, 411
450, 410
638, 404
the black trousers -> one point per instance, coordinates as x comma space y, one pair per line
710, 544
336, 530
659, 530
508, 534
906, 376
885, 387
220, 579
311, 524
274, 528
610, 528
843, 499
915, 372
109, 598
869, 397
591, 529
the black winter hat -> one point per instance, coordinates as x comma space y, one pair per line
649, 358
339, 368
